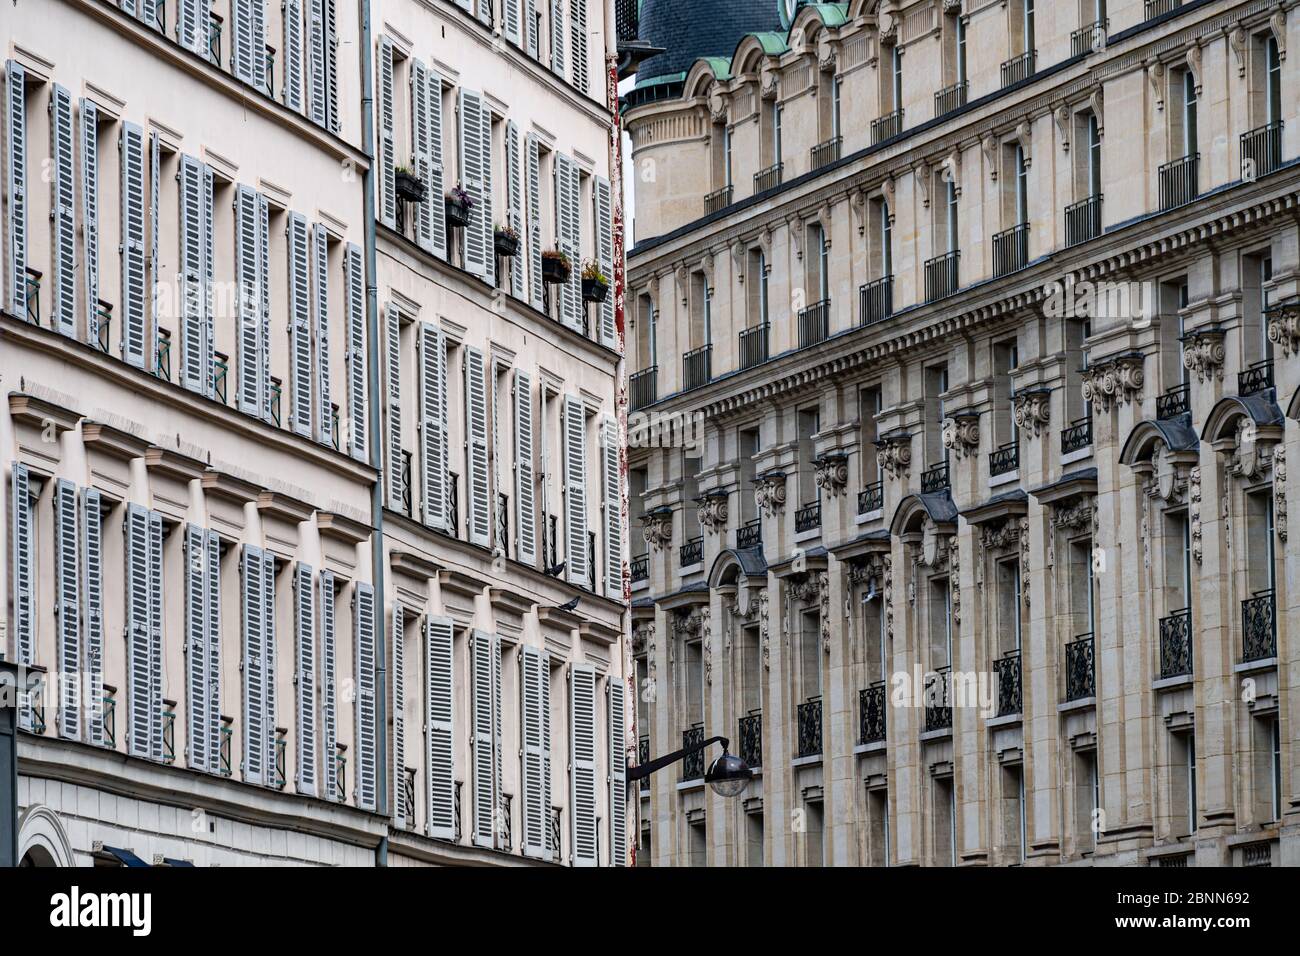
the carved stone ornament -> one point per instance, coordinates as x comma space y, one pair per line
769, 492
1204, 354
933, 553
961, 434
717, 105
831, 473
1251, 457
805, 588
954, 580
711, 509
1284, 327
826, 54
1169, 477
1061, 115
769, 81
1156, 76
894, 452
687, 622
1025, 139
764, 631
1279, 491
657, 526
1194, 65
1032, 410
706, 644
1071, 517
921, 176
1115, 381
1194, 512
1237, 40
989, 144
1024, 559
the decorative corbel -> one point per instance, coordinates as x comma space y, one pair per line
1237, 40
1277, 23
794, 229
683, 283
1156, 76
887, 189
921, 174
831, 473
894, 452
961, 433
1284, 327
824, 216
858, 203
1062, 117
1032, 409
1098, 106
990, 146
712, 510
1204, 353
1194, 65
1025, 137
951, 169
738, 260
770, 492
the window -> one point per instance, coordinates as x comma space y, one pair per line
1005, 360
877, 827
1182, 783
1012, 780
936, 383
814, 839
944, 823
869, 405
754, 839
1087, 799
1009, 606
940, 619
756, 280
809, 426
1094, 157
749, 447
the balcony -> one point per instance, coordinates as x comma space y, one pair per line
1176, 644
871, 498
214, 41
643, 758
871, 713
753, 345
643, 387
1083, 220
691, 553
163, 357
1007, 668
814, 323
503, 525
220, 375
693, 764
1255, 379
876, 301
750, 534
697, 367
33, 296
408, 498
768, 178
935, 478
1261, 151
718, 199
950, 98
751, 738
1018, 68
1089, 39
169, 732
938, 699
1258, 627
277, 396
823, 154
1158, 8
109, 704
941, 276
1004, 459
1079, 671
1011, 250
1180, 181
886, 127
640, 568
1174, 402
1076, 436
810, 728
808, 518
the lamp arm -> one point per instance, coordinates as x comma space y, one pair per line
644, 770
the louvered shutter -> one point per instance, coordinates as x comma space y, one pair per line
531, 13
487, 212
292, 14
139, 658
192, 25
16, 186
212, 555
535, 675
433, 173
320, 319
304, 600
300, 313
575, 491
252, 581
132, 248
484, 751
90, 214
401, 812
476, 452
332, 67
196, 646
393, 406
316, 80
423, 212
501, 824
155, 164
387, 178
248, 59
485, 11
569, 233
63, 219
433, 426
465, 4
92, 555
578, 21
617, 773
552, 849
329, 720
155, 631
605, 256
535, 293
582, 744
510, 14
67, 607
205, 299
354, 269
474, 164
613, 508
268, 662
439, 737
194, 362
149, 14
264, 296
364, 620
23, 558
247, 257
515, 204
557, 37
525, 490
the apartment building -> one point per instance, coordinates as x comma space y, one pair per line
314, 524
962, 360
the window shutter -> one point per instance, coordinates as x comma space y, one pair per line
433, 193
16, 185
605, 256
575, 491
364, 615
525, 490
195, 239
132, 248
316, 80
433, 426
264, 294
534, 222
535, 671
423, 213
155, 631
552, 850
332, 67
484, 752
356, 350
300, 372
401, 812
328, 714
387, 178
155, 163
485, 11
487, 213
613, 509
268, 661
617, 773
192, 25
304, 599
90, 214
292, 13
205, 300
393, 408
63, 235
67, 607
515, 204
474, 164
253, 581
582, 744
196, 646
569, 230
557, 37
248, 50
531, 13
510, 13
247, 258
23, 560
476, 452
320, 316
501, 824
439, 736
212, 555
578, 18
139, 665
467, 5
93, 587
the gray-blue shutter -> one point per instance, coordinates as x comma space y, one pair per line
23, 558
535, 291
433, 426
291, 11
317, 39
300, 350
268, 660
355, 278
329, 718
196, 647
439, 732
212, 665
477, 480
387, 177
606, 327
534, 712
364, 641
63, 234
393, 404
252, 580
90, 214
525, 475
575, 491
139, 657
247, 276
578, 22
192, 21
612, 507
515, 205
617, 772
582, 754
92, 554
156, 633
304, 599
483, 648
16, 186
195, 225
320, 318
132, 248
401, 812
67, 594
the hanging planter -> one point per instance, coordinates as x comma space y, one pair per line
410, 187
595, 284
555, 267
506, 240
458, 207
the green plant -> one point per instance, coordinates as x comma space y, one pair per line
557, 255
510, 232
591, 271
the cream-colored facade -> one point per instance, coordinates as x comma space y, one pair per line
960, 436
254, 443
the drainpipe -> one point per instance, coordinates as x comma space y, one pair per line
376, 446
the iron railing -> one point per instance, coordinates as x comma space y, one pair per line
693, 763
408, 791
876, 300
1018, 68
810, 727
814, 323
950, 98
1004, 459
456, 826
407, 479
871, 713
697, 367
1080, 679
557, 831
341, 783
277, 395
750, 534
643, 758
1180, 181
941, 276
871, 498
938, 699
214, 41
718, 199
1090, 38
1255, 379
225, 747
1176, 644
1011, 249
751, 738
754, 345
640, 568
503, 525
507, 836
935, 478
109, 702
642, 387
281, 760
1083, 220
268, 79
220, 374
1007, 668
1176, 400
691, 552
768, 178
1076, 436
1261, 151
1157, 8
1259, 627
823, 154
886, 127
453, 505
33, 296
169, 735
808, 518
163, 360
103, 325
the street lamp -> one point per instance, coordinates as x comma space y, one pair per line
728, 775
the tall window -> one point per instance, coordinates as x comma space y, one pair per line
776, 133
1189, 113
835, 108
1022, 186
950, 210
1273, 81
1027, 26
896, 71
1094, 157
959, 31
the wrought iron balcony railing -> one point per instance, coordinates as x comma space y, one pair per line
1018, 68
341, 780
1076, 436
750, 534
1176, 644
456, 824
103, 325
408, 792
1180, 181
507, 822
453, 506
643, 758
557, 831
220, 375
823, 154
1176, 400
768, 178
938, 699
1090, 38
643, 387
1004, 459
886, 127
1259, 627
935, 478
753, 345
1261, 151
408, 499
950, 98
808, 518
691, 552
751, 738
810, 727
1011, 249
33, 296
109, 703
871, 713
719, 199
169, 734
814, 323
697, 367
1079, 670
693, 764
871, 498
1009, 684
876, 300
1157, 8
503, 525
1255, 379
1083, 220
640, 568
941, 276
277, 395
